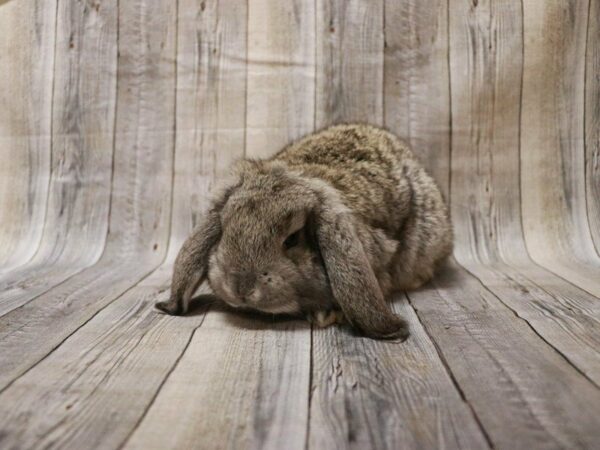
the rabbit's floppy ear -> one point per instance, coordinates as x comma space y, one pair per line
353, 282
191, 264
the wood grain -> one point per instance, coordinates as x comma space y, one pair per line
369, 394
566, 317
375, 394
416, 81
349, 39
242, 383
281, 74
486, 69
27, 62
145, 132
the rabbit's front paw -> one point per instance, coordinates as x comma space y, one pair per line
324, 319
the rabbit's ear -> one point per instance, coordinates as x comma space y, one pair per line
353, 282
191, 264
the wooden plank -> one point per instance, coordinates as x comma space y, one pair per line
524, 393
553, 185
27, 61
349, 37
592, 120
83, 117
281, 74
378, 394
141, 196
416, 81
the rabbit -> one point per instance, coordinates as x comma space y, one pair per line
327, 228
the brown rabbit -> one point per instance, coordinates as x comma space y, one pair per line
335, 221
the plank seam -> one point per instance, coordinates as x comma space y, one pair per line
520, 163
449, 106
245, 151
558, 275
114, 131
383, 115
170, 226
311, 360
451, 375
310, 387
51, 287
315, 73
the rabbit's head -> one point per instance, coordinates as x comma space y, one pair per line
279, 242
267, 257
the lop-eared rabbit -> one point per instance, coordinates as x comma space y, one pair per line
328, 228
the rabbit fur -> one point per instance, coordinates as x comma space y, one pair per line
327, 228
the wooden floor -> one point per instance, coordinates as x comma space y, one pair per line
116, 119
498, 357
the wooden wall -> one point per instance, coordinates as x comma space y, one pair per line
117, 117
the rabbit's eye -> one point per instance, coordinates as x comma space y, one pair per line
292, 240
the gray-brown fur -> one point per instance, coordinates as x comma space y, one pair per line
370, 221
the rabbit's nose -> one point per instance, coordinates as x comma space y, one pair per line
244, 285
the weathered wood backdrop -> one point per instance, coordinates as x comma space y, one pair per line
117, 117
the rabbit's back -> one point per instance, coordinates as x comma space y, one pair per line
367, 165
382, 182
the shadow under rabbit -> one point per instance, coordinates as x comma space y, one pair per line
208, 303
245, 319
